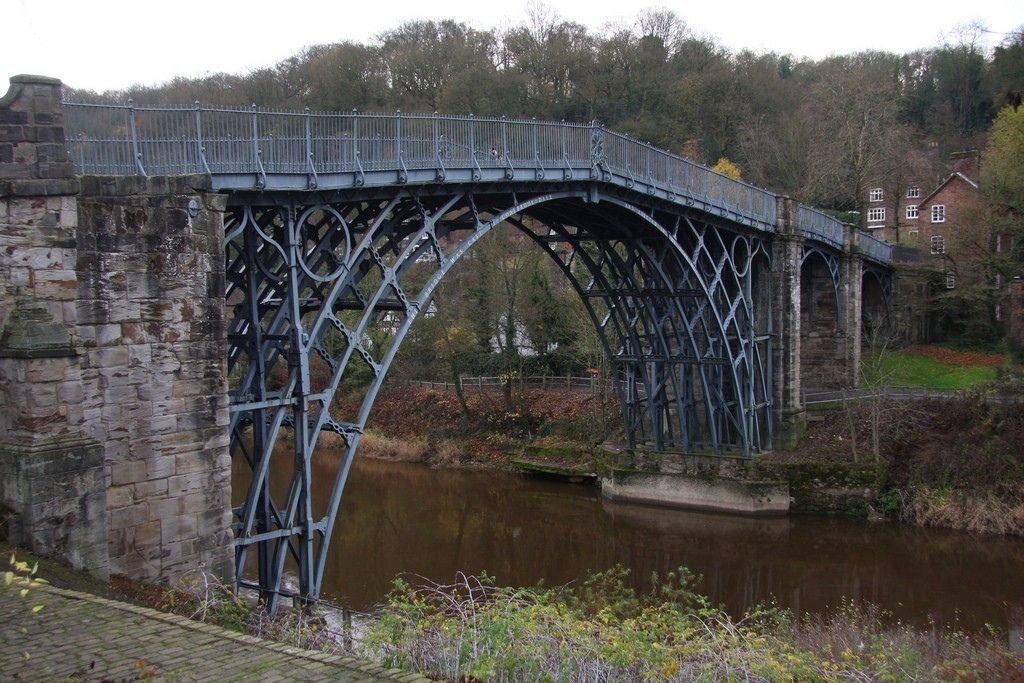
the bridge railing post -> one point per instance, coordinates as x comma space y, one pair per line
257, 151
200, 144
311, 180
596, 147
133, 130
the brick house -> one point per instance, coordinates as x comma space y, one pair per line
948, 223
951, 224
946, 233
893, 219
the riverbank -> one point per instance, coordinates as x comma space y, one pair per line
943, 463
602, 629
471, 629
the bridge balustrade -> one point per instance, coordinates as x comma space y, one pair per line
873, 248
127, 139
820, 226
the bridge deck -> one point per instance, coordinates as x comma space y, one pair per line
268, 150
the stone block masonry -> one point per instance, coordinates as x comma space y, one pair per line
786, 297
150, 302
52, 476
113, 395
56, 491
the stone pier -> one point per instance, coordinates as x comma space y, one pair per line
787, 251
816, 318
113, 396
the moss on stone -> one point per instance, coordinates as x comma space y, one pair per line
828, 488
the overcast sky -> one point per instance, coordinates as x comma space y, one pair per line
108, 44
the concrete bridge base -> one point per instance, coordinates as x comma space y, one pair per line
709, 483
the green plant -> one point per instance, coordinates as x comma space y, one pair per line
890, 503
604, 629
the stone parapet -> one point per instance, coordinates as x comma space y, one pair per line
33, 157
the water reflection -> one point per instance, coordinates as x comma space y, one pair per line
400, 518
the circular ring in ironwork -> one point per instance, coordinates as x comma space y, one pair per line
740, 265
341, 224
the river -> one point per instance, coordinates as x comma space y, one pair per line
400, 518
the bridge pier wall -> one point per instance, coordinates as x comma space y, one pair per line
113, 392
831, 328
822, 329
816, 323
787, 250
852, 281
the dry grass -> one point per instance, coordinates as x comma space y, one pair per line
605, 631
955, 464
936, 654
980, 512
407, 449
399, 449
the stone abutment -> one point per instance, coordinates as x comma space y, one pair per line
113, 393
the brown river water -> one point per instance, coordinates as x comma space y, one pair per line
401, 519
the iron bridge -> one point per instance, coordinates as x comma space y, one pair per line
341, 225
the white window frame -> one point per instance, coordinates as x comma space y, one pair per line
913, 192
938, 213
912, 211
878, 212
914, 234
876, 194
938, 244
950, 279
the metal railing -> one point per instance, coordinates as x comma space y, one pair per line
497, 383
901, 393
247, 148
874, 248
126, 139
819, 225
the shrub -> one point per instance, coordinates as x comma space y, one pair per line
605, 630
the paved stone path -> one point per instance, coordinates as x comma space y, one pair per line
85, 637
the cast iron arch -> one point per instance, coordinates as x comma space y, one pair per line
833, 267
882, 280
308, 275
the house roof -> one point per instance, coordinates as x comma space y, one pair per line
952, 176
